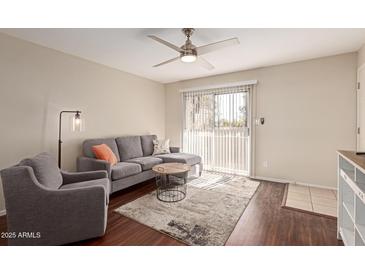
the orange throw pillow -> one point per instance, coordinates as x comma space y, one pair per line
103, 152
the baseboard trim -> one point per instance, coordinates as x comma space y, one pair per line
275, 180
2, 212
314, 185
284, 181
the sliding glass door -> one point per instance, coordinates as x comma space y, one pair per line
216, 127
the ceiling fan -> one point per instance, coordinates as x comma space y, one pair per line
190, 53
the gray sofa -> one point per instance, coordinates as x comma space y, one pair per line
47, 206
135, 159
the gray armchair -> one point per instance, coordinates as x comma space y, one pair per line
46, 206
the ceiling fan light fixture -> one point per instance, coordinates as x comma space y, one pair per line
188, 57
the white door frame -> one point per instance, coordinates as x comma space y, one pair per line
359, 122
252, 130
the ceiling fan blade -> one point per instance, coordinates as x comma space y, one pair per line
204, 63
217, 45
166, 62
172, 46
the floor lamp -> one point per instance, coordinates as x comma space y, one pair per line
76, 126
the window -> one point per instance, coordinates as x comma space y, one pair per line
216, 127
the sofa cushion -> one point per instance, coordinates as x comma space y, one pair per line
45, 169
186, 158
146, 162
110, 142
129, 147
147, 144
124, 169
102, 182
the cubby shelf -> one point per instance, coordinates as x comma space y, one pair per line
359, 240
351, 197
347, 236
350, 211
361, 230
350, 173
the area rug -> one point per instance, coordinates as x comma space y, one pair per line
207, 216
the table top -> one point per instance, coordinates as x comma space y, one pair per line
356, 159
171, 168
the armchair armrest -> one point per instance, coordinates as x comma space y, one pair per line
91, 164
174, 149
87, 207
75, 177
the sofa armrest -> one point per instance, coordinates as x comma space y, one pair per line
91, 164
174, 149
75, 177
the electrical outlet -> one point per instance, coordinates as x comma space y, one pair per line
265, 163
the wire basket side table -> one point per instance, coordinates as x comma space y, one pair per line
171, 179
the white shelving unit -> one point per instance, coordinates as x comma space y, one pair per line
351, 198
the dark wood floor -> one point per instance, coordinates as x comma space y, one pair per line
264, 222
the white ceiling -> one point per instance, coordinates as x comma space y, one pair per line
131, 51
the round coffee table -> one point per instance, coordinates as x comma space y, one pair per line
171, 181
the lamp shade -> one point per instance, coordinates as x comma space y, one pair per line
78, 124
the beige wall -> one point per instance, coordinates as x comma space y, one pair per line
309, 109
36, 83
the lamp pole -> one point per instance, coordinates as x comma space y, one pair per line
77, 116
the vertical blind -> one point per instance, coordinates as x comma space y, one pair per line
216, 127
